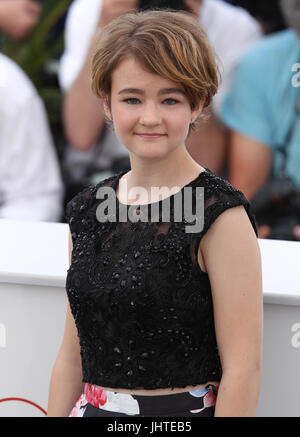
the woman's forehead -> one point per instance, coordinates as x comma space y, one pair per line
130, 72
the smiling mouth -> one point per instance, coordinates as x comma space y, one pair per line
151, 135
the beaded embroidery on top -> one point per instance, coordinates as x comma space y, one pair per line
142, 305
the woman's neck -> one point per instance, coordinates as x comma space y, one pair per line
176, 170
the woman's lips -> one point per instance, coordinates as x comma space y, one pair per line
151, 135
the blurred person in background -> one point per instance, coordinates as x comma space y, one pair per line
18, 17
92, 147
262, 108
268, 13
31, 186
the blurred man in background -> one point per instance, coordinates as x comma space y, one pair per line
31, 186
262, 108
267, 13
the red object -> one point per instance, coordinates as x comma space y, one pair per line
25, 400
95, 395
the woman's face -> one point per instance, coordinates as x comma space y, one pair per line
151, 114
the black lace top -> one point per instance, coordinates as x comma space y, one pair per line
142, 305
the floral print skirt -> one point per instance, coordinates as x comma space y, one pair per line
96, 402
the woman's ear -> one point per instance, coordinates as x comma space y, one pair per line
106, 106
196, 112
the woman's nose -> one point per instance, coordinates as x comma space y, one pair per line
150, 116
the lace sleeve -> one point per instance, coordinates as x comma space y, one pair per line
223, 202
215, 204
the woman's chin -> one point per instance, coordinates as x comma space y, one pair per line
148, 154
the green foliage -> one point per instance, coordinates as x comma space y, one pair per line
37, 54
32, 53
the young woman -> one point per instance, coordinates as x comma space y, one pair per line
162, 320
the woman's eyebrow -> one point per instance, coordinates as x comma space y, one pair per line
162, 91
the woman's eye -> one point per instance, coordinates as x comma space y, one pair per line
131, 101
173, 101
134, 101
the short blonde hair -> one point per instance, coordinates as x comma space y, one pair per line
170, 44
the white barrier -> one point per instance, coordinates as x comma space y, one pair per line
33, 266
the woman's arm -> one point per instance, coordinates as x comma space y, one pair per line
66, 379
249, 163
232, 258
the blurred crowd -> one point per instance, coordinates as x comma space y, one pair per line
251, 137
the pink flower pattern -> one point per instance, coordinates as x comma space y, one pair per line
209, 397
92, 395
79, 408
95, 395
98, 398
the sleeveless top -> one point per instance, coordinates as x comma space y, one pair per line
141, 304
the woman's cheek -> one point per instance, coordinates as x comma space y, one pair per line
181, 121
126, 118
